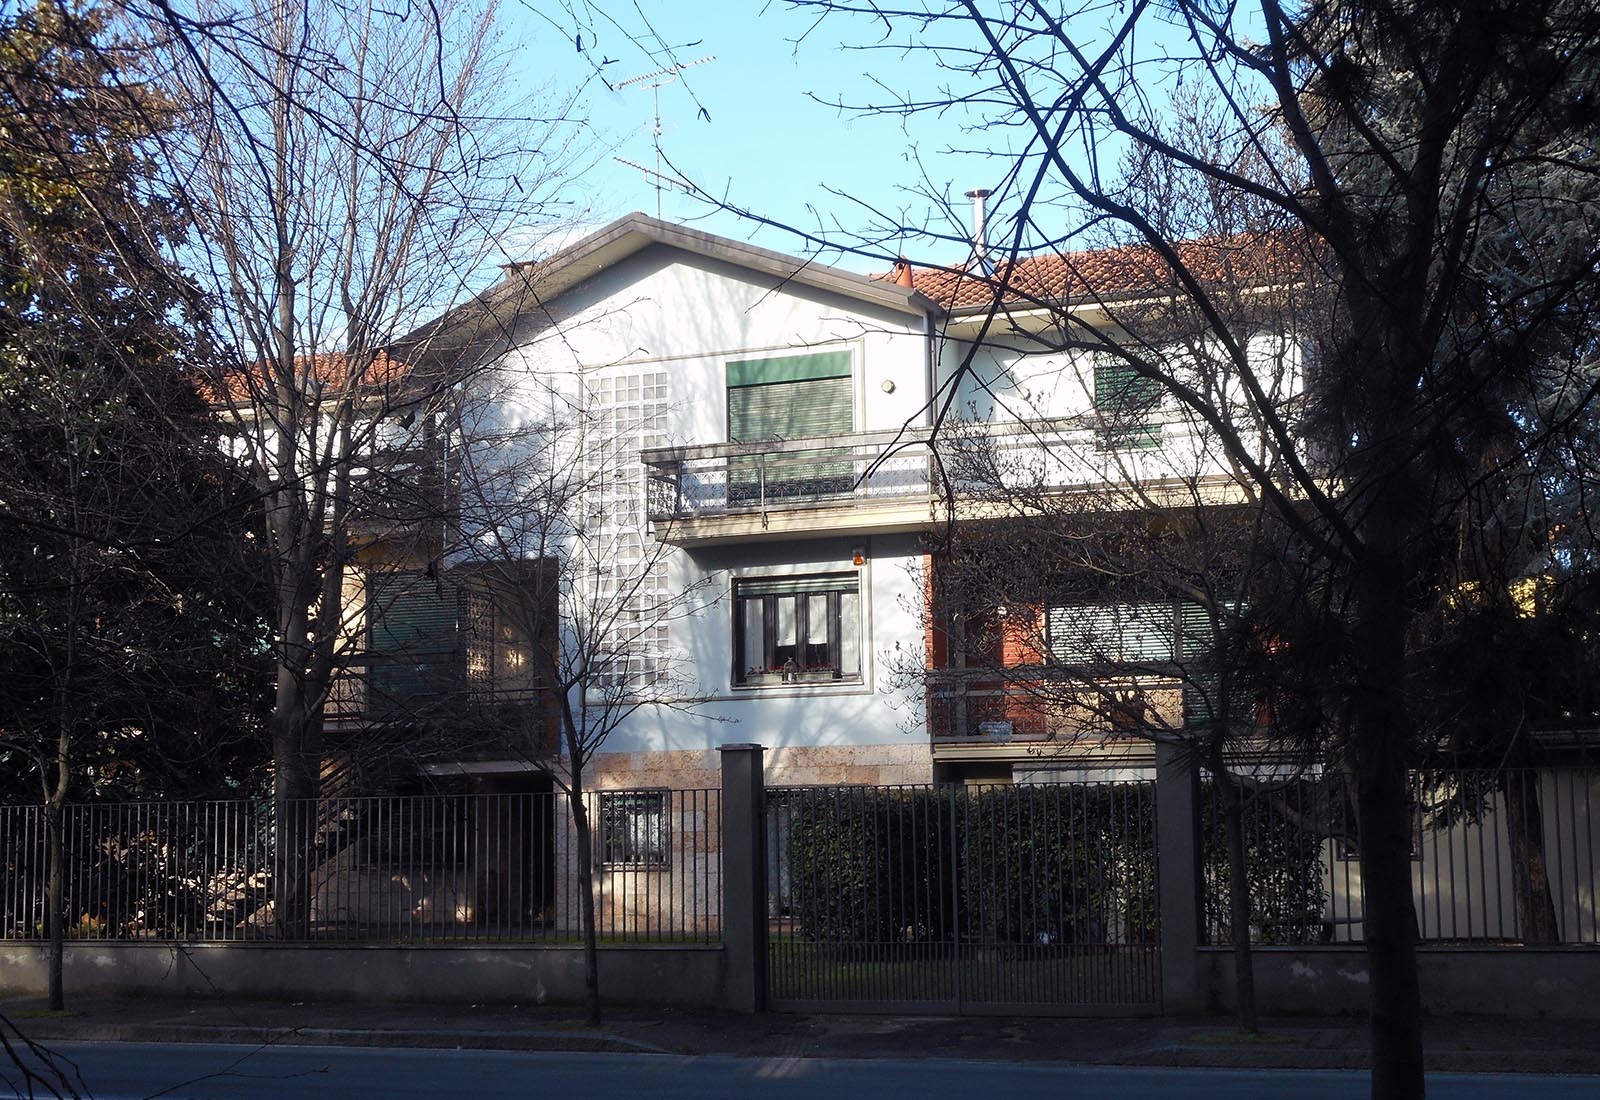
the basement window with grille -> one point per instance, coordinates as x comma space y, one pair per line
633, 828
797, 630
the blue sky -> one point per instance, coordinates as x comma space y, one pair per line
763, 140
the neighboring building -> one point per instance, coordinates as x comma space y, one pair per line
768, 420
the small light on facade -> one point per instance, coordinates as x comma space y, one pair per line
858, 555
888, 385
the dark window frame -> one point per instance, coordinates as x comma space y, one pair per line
804, 672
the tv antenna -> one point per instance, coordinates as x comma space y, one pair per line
655, 82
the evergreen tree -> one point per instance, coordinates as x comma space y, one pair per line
129, 652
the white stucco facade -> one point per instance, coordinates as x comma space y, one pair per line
629, 346
658, 328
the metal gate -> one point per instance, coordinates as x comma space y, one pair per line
995, 900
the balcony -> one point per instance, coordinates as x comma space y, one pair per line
399, 491
884, 482
445, 691
976, 716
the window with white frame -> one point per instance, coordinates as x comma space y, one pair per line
796, 630
634, 828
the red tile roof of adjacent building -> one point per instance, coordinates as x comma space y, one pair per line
329, 370
1101, 273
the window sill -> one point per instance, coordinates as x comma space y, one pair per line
800, 681
847, 686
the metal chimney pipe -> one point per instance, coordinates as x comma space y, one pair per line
980, 242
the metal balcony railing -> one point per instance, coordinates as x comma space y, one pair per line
963, 460
428, 687
408, 485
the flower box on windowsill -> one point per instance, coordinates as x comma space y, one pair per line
776, 678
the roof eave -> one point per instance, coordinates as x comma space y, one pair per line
635, 232
533, 286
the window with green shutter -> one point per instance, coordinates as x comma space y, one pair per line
1148, 638
1112, 633
1202, 674
1125, 402
790, 397
414, 640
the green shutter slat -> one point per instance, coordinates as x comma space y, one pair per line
1140, 634
790, 411
1119, 390
789, 368
1196, 626
413, 636
1125, 399
795, 410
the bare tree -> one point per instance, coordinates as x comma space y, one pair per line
1439, 197
1124, 542
552, 520
352, 169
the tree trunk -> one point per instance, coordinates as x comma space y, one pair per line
1530, 876
1244, 972
294, 794
1389, 921
55, 904
1380, 751
586, 914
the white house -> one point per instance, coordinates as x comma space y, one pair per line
756, 430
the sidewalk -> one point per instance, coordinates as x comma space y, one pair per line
1465, 1044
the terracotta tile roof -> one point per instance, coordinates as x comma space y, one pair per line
1103, 273
330, 371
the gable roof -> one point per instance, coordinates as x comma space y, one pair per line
530, 286
1102, 274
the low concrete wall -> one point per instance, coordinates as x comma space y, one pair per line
1522, 981
489, 973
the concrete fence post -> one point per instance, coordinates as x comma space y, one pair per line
1178, 872
744, 876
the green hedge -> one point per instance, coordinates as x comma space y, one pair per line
1059, 864
1283, 864
866, 865
1046, 865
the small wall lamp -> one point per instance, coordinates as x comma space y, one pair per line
858, 555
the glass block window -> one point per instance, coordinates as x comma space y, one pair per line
627, 414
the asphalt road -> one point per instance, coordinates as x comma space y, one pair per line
121, 1071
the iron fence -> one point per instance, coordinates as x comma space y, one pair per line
1502, 856
391, 869
963, 898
